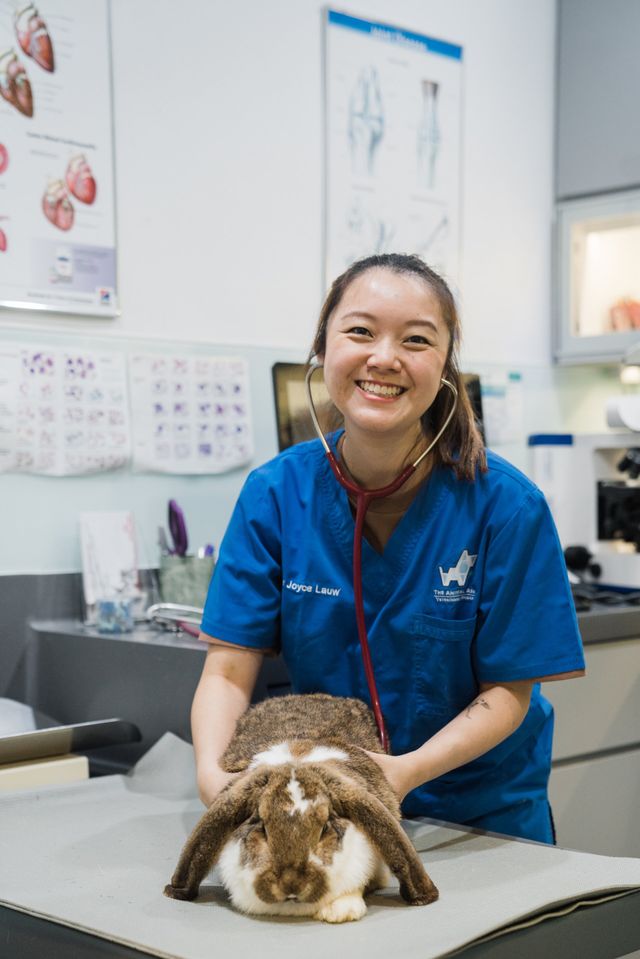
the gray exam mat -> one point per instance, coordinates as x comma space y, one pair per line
95, 855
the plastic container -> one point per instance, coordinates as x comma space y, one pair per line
115, 615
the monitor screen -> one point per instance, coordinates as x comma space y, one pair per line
292, 416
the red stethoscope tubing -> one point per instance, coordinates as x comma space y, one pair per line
363, 498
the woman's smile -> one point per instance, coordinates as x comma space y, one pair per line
378, 390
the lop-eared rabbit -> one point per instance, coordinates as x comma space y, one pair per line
311, 824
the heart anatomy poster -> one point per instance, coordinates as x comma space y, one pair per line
393, 135
57, 221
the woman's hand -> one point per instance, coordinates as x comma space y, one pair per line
494, 714
397, 770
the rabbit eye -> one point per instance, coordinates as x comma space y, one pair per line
258, 826
325, 829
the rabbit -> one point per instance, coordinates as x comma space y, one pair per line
311, 825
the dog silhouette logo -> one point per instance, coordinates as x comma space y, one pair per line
458, 573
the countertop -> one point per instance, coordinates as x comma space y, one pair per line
598, 625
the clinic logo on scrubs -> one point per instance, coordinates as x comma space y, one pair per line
456, 576
458, 573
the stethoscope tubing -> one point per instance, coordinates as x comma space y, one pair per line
363, 498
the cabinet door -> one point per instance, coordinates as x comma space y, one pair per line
595, 804
596, 280
602, 710
598, 87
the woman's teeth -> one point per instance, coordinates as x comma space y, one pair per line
380, 390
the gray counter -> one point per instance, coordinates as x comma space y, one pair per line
147, 677
609, 623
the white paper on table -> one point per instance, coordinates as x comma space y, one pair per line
63, 411
190, 414
109, 554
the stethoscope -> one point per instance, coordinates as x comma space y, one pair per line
363, 498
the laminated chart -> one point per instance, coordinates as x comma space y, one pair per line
393, 120
57, 201
63, 412
191, 414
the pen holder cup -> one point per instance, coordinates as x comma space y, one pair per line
185, 579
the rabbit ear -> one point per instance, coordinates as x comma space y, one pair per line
387, 836
201, 850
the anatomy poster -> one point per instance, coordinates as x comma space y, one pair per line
191, 414
63, 411
393, 124
57, 222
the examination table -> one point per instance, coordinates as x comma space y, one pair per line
82, 867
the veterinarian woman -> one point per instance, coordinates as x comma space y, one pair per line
465, 592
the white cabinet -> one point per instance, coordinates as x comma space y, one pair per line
597, 281
597, 179
595, 780
601, 710
598, 82
596, 804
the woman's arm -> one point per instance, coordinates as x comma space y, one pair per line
222, 696
494, 714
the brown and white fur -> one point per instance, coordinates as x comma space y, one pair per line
311, 825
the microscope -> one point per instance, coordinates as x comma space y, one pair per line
592, 485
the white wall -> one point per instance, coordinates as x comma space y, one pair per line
219, 158
219, 144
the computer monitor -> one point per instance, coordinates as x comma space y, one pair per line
292, 415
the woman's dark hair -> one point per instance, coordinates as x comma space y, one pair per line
460, 446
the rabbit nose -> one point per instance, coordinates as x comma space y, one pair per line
290, 882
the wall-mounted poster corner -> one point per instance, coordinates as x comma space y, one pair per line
393, 117
57, 203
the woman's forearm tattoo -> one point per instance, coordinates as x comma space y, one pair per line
480, 701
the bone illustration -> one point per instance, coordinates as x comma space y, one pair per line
80, 180
57, 206
366, 121
429, 136
14, 83
310, 826
33, 37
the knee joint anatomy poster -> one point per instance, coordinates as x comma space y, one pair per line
393, 133
57, 219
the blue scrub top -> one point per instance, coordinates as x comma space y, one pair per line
470, 588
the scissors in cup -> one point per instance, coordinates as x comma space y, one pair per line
178, 529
